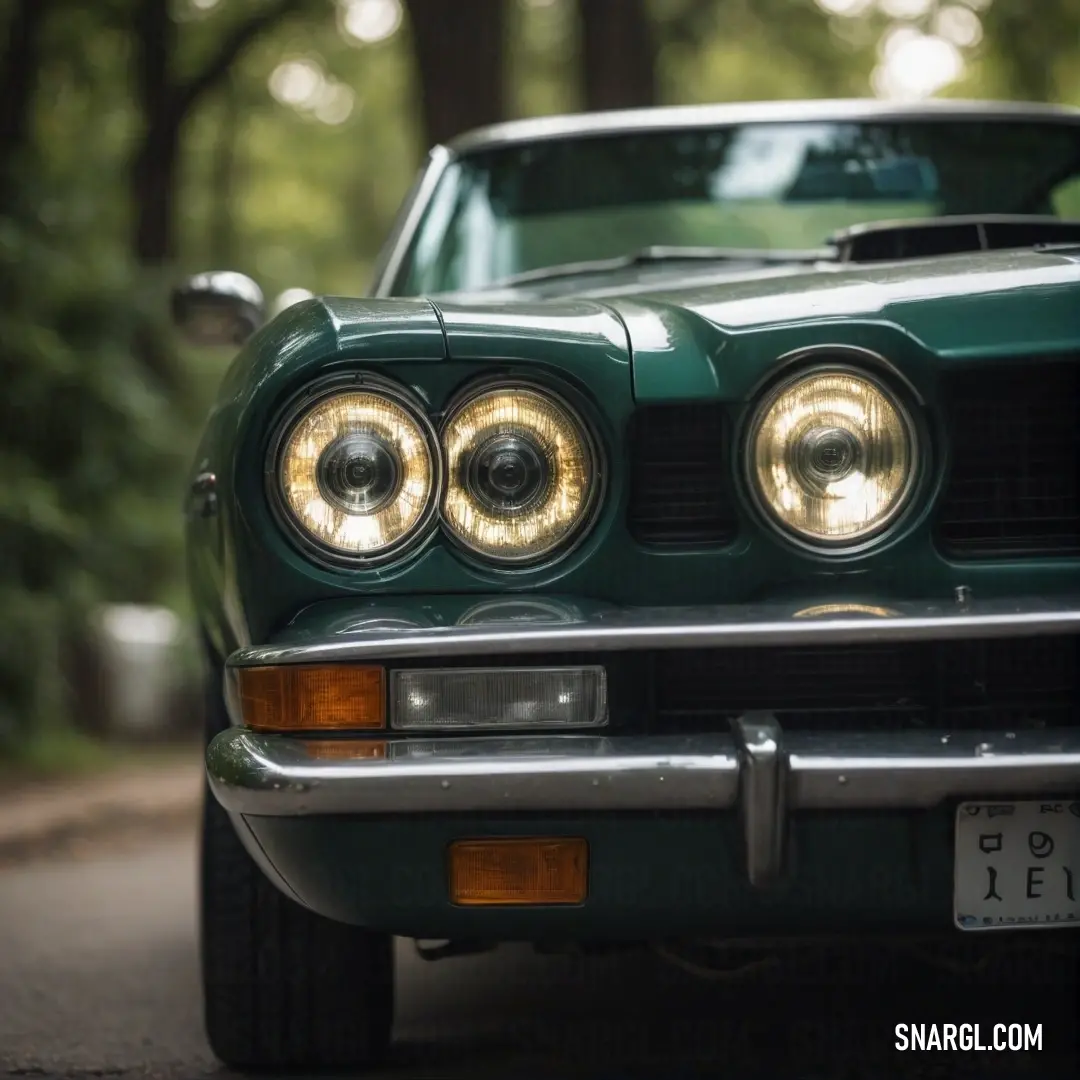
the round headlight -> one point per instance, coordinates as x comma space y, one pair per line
521, 474
359, 473
832, 457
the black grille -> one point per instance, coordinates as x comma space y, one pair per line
1006, 684
1014, 485
680, 489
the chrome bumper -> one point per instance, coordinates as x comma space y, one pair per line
377, 632
757, 769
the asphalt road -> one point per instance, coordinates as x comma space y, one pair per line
98, 977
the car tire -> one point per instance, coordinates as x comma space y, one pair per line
283, 988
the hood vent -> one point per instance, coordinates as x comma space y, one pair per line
887, 241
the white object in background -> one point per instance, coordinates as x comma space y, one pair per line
287, 299
140, 654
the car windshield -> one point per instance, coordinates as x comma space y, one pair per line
505, 210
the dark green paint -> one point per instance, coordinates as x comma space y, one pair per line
647, 873
720, 341
335, 620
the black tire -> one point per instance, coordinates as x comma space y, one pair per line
283, 988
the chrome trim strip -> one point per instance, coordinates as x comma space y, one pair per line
276, 775
613, 629
402, 236
627, 121
762, 795
271, 775
921, 769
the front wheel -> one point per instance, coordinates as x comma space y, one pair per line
283, 988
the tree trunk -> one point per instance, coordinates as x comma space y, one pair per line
618, 54
20, 65
222, 245
459, 50
154, 165
165, 104
154, 174
1029, 49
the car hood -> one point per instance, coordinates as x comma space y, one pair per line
705, 335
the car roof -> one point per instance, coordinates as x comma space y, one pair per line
623, 121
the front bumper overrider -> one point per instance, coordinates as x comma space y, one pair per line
755, 767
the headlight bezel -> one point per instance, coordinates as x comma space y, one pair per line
576, 409
300, 405
804, 364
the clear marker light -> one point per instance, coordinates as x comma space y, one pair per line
498, 698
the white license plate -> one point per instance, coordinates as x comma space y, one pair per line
1017, 865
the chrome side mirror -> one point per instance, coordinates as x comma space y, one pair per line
218, 308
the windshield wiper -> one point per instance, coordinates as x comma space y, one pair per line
660, 254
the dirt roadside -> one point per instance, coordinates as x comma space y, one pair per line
140, 796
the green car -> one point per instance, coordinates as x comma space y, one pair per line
680, 544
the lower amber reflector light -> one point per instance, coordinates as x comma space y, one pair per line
313, 697
345, 749
519, 871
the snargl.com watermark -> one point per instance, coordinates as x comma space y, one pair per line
999, 1037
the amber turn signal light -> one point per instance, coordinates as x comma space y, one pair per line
518, 871
345, 749
313, 697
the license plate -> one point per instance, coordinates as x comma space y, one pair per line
1017, 865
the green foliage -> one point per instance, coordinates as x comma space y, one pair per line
735, 50
53, 753
96, 422
311, 200
542, 54
1028, 51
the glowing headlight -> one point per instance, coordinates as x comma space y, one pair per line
832, 456
359, 473
521, 474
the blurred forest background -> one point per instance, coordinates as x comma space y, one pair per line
143, 139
